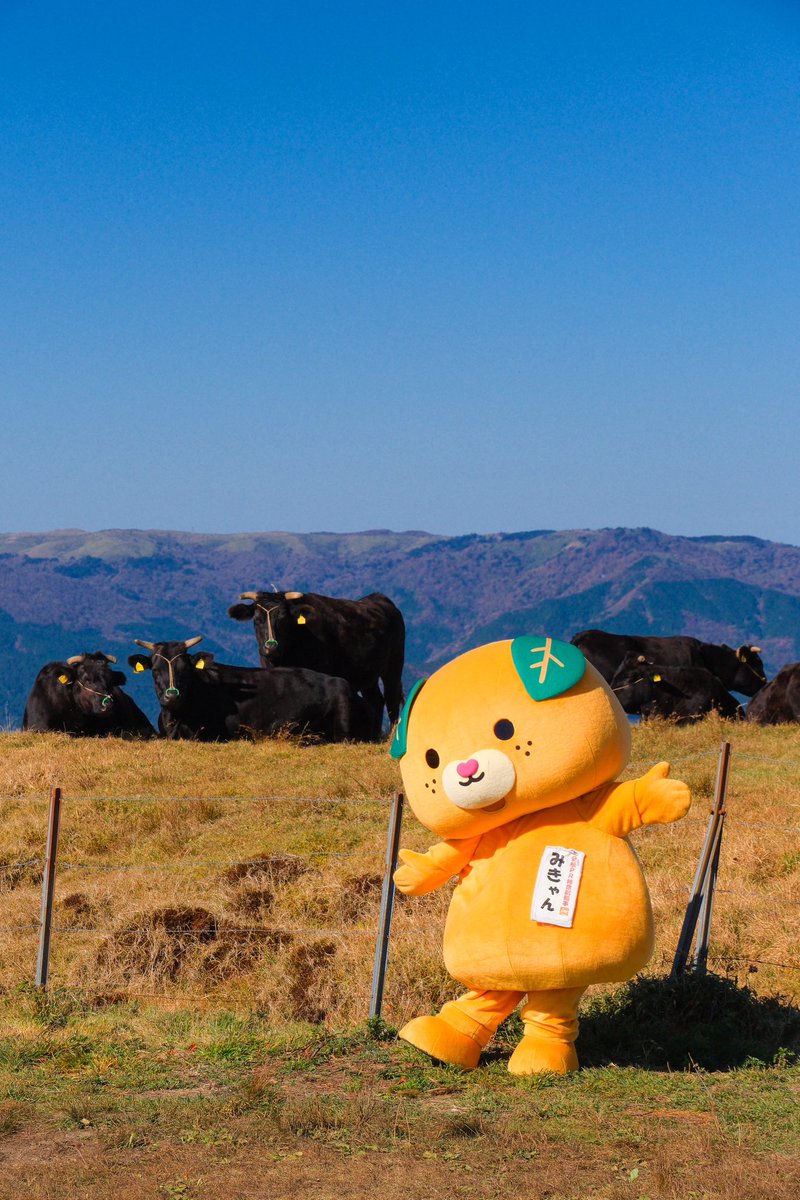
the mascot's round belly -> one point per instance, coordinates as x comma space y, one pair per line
492, 941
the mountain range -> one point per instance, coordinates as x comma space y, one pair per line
71, 590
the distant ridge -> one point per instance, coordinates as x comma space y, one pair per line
71, 590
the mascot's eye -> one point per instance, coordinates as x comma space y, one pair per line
504, 730
431, 758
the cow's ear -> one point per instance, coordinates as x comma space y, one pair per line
117, 678
242, 612
400, 740
546, 666
201, 661
66, 677
140, 662
302, 614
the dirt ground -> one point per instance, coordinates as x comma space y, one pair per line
685, 1160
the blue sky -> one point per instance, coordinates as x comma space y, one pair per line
456, 267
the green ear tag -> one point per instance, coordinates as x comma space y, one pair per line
546, 666
399, 741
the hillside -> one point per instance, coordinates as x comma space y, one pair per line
69, 590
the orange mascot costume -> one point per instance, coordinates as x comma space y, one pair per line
510, 754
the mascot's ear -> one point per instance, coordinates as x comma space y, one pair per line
546, 666
399, 741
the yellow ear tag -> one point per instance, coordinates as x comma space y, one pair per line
138, 668
656, 679
63, 679
301, 620
201, 662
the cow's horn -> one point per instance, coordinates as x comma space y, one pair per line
293, 595
109, 658
641, 658
76, 658
192, 642
248, 595
147, 645
755, 649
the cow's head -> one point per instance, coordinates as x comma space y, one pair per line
279, 618
174, 669
635, 682
750, 675
92, 683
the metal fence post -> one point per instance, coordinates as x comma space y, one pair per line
48, 889
704, 919
387, 906
701, 895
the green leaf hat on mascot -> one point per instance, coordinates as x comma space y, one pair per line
510, 754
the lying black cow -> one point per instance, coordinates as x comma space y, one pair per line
678, 693
213, 702
779, 702
83, 696
737, 670
363, 641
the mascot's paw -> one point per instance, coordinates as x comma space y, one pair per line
442, 1041
415, 876
660, 799
534, 1055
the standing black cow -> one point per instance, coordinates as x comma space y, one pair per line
83, 696
779, 702
737, 670
362, 641
661, 690
214, 702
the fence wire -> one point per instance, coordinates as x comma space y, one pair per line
86, 798
190, 864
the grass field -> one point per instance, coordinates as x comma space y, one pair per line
204, 1032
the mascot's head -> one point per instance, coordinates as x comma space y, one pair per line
504, 730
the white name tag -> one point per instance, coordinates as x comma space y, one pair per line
557, 883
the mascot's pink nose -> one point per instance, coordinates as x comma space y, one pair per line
467, 769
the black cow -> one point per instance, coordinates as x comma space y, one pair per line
661, 690
83, 696
213, 702
779, 702
362, 641
738, 670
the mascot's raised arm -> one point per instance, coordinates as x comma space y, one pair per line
510, 754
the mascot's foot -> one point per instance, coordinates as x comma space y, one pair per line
534, 1055
442, 1041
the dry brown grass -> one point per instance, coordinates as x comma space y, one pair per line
271, 904
692, 1164
34, 762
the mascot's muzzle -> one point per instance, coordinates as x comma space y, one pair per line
480, 780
